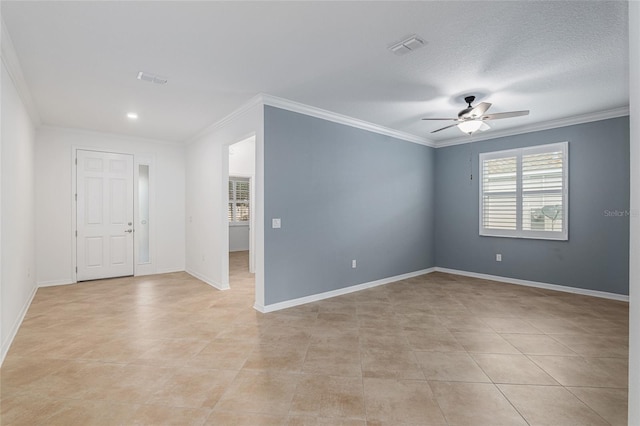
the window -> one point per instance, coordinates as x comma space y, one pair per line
238, 200
524, 192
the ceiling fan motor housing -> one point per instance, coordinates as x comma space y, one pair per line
467, 110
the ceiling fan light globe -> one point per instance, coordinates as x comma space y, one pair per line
470, 126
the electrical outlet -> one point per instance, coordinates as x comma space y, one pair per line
276, 223
353, 264
498, 258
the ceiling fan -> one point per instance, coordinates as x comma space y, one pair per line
472, 118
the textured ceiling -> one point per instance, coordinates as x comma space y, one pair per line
80, 59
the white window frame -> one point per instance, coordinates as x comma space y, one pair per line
563, 234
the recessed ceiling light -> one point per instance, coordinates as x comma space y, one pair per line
132, 116
407, 45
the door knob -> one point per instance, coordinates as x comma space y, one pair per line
129, 231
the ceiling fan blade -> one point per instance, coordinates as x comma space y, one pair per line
447, 119
478, 110
500, 115
446, 127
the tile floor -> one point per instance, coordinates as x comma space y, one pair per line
431, 350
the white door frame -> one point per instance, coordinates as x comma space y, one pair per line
101, 234
138, 159
252, 211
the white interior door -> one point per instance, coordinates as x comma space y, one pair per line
104, 215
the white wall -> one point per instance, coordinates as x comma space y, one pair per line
242, 158
238, 237
18, 284
207, 171
54, 204
634, 232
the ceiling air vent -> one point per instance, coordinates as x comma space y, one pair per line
407, 45
152, 78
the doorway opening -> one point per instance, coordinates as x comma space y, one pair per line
241, 214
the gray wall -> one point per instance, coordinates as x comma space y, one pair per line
596, 256
342, 193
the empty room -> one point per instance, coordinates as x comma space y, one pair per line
320, 213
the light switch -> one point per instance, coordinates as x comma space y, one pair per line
275, 223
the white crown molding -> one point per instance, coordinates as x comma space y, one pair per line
536, 127
288, 105
338, 292
118, 136
241, 110
536, 284
12, 65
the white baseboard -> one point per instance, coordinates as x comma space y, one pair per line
52, 283
16, 326
556, 287
338, 292
168, 271
207, 280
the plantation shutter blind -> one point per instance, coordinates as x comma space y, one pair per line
524, 192
239, 194
499, 196
542, 190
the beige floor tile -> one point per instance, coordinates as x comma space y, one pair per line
401, 402
516, 369
28, 409
346, 340
419, 321
438, 342
579, 371
390, 364
222, 354
172, 351
241, 332
537, 344
450, 367
129, 384
510, 325
550, 405
77, 412
223, 418
595, 346
557, 326
491, 343
329, 396
21, 372
475, 404
153, 415
376, 339
194, 388
322, 421
119, 350
455, 323
259, 392
617, 370
166, 348
332, 361
610, 404
79, 380
276, 358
